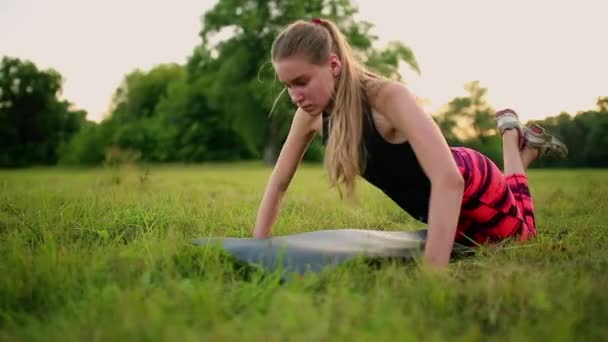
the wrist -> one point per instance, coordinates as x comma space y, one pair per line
261, 232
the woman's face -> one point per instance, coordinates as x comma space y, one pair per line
310, 86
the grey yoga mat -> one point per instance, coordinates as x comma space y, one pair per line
317, 250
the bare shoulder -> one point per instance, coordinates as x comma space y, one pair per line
395, 104
384, 95
374, 87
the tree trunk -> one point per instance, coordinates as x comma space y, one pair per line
271, 153
272, 145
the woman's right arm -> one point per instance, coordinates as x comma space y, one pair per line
300, 135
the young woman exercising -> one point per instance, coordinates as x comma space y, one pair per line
373, 128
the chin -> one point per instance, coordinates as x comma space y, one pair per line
315, 111
311, 109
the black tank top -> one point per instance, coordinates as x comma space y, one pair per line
392, 168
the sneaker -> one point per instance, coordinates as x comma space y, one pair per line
545, 142
507, 119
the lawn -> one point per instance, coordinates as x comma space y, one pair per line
105, 254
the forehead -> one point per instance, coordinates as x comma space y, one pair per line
293, 67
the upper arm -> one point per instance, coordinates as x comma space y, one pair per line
399, 106
301, 133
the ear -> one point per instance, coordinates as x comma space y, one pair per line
335, 65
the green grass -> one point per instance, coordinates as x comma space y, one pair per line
96, 254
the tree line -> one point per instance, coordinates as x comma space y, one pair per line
217, 105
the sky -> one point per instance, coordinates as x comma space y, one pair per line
538, 57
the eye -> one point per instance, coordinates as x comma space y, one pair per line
300, 82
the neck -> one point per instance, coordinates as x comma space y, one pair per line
330, 106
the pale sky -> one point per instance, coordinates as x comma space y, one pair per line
539, 57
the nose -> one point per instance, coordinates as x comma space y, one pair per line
296, 96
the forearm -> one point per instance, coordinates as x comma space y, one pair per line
269, 210
444, 212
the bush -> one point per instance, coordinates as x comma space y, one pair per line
87, 147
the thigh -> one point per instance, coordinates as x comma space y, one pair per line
483, 223
489, 210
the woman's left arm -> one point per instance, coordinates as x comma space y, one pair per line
447, 185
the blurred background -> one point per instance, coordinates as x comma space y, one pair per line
96, 83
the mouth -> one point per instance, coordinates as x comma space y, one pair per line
307, 108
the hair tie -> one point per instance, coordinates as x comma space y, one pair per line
316, 21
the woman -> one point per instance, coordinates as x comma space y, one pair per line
374, 128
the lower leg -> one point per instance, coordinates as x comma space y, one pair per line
528, 155
520, 188
510, 152
521, 146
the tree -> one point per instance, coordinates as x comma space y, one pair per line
87, 147
596, 146
33, 120
469, 121
140, 92
585, 134
602, 104
470, 117
202, 134
238, 79
163, 115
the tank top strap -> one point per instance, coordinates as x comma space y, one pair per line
325, 127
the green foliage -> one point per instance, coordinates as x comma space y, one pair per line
585, 134
85, 257
85, 148
387, 61
224, 104
163, 114
33, 121
238, 67
140, 92
218, 105
469, 121
134, 122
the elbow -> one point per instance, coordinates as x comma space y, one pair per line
449, 180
